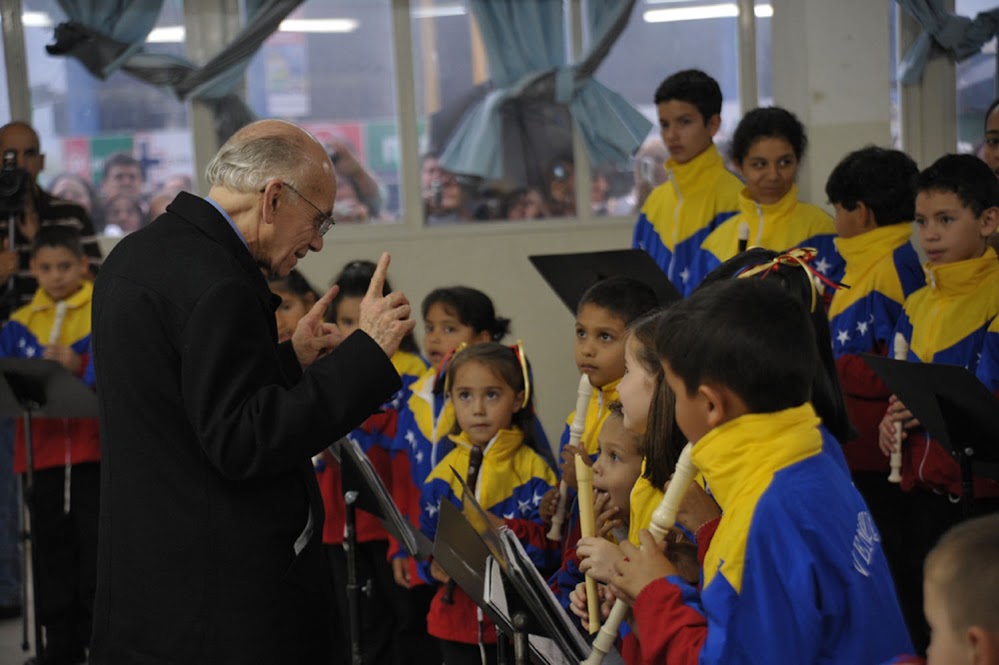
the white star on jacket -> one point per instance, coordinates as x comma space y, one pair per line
524, 506
862, 327
823, 266
843, 337
431, 509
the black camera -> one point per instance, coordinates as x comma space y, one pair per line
14, 183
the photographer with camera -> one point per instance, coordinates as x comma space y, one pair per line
24, 209
30, 208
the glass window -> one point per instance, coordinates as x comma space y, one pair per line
452, 73
84, 122
330, 69
975, 79
682, 34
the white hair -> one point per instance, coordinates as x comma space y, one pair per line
247, 163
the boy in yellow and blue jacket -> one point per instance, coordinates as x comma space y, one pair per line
66, 453
794, 572
947, 321
699, 193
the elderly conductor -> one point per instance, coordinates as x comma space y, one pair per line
211, 518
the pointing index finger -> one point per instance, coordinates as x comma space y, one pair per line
323, 304
377, 286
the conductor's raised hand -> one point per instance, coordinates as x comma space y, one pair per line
313, 337
385, 318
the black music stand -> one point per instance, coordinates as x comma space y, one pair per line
364, 489
489, 563
570, 275
956, 410
359, 475
33, 387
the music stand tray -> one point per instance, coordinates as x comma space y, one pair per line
359, 475
466, 544
953, 406
30, 388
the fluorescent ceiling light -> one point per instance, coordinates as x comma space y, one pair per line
319, 25
726, 10
174, 34
437, 12
36, 20
168, 34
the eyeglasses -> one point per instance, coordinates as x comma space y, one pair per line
321, 227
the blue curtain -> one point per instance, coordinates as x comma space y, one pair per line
102, 34
211, 84
958, 36
525, 45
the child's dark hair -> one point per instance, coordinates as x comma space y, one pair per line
663, 439
625, 297
748, 335
968, 177
880, 178
57, 235
768, 122
353, 281
827, 394
293, 283
471, 306
694, 87
504, 362
615, 410
992, 108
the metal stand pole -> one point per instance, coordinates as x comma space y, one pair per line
353, 589
29, 535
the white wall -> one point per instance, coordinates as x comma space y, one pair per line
831, 67
493, 259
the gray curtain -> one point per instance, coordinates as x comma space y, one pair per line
957, 36
525, 120
100, 46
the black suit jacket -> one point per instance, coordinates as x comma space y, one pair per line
208, 427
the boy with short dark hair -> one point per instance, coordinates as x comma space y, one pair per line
56, 325
872, 192
699, 193
794, 572
961, 584
602, 316
957, 209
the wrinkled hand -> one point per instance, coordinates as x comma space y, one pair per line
385, 318
65, 356
696, 509
640, 567
897, 413
314, 338
608, 516
597, 557
400, 571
